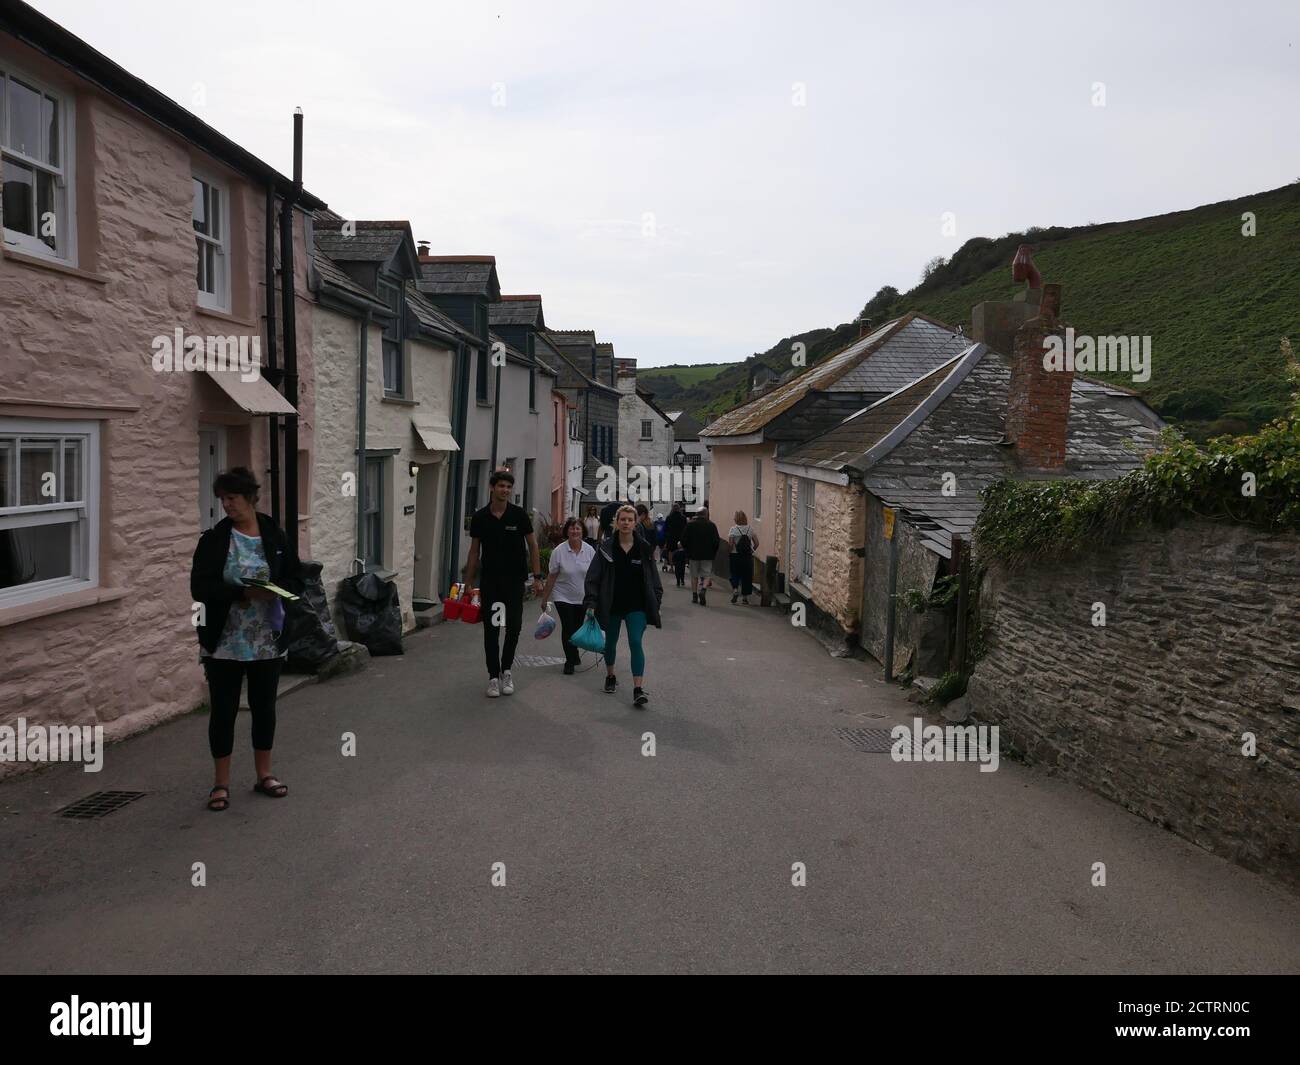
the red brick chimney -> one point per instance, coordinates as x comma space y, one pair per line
1038, 402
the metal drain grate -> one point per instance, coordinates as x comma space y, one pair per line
867, 740
99, 804
537, 660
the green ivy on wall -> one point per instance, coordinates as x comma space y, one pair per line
1248, 480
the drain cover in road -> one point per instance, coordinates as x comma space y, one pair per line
867, 740
537, 660
99, 803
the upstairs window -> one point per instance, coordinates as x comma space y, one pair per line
35, 166
211, 239
394, 367
647, 431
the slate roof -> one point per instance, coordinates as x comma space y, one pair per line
460, 275
886, 359
431, 318
686, 428
951, 421
517, 310
648, 399
330, 273
373, 242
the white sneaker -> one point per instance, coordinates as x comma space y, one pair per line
507, 683
494, 689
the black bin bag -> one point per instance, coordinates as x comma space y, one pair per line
313, 640
372, 613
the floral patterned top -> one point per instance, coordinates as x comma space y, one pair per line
252, 627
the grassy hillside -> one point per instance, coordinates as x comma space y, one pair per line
1214, 302
668, 383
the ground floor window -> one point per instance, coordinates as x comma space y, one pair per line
807, 523
49, 508
372, 545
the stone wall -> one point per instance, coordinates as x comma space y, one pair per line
1201, 644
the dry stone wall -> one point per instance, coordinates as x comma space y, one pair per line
1200, 645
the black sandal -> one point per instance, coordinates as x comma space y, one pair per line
275, 791
223, 800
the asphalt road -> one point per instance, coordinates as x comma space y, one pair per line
613, 861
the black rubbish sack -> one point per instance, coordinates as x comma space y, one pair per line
313, 640
372, 613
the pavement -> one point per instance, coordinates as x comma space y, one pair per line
612, 860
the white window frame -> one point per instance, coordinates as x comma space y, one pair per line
84, 512
218, 300
378, 514
65, 211
758, 487
807, 530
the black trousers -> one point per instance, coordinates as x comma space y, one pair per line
510, 591
225, 680
571, 615
742, 573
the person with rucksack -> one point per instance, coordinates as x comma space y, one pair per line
744, 542
701, 541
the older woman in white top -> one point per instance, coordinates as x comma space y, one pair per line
565, 584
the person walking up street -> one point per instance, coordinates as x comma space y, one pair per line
566, 585
243, 634
744, 542
674, 528
646, 526
702, 542
623, 587
503, 541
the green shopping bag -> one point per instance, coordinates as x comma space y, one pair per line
589, 637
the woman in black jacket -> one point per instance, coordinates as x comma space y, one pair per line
241, 628
623, 587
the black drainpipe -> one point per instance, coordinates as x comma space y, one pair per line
363, 359
287, 287
460, 415
272, 371
496, 415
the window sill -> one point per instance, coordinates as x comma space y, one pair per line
482, 403
56, 265
13, 615
801, 588
225, 316
401, 401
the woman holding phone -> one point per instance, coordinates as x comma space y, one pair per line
241, 628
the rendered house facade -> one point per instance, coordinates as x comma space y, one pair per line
127, 221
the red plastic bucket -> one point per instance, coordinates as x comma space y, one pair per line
451, 608
469, 613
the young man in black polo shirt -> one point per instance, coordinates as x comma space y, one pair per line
502, 538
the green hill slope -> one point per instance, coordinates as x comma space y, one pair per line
1214, 302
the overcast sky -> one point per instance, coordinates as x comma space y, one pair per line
695, 181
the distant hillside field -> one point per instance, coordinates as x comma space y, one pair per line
668, 383
1215, 303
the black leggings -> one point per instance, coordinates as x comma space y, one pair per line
225, 679
510, 592
571, 617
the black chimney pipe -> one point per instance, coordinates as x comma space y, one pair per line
287, 289
272, 370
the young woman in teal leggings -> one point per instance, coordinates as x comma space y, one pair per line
623, 588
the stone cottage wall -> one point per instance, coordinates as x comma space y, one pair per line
1201, 644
